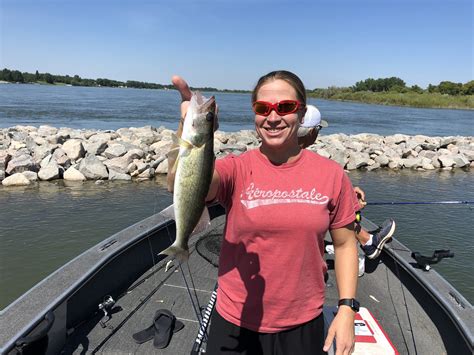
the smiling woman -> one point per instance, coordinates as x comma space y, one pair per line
311, 196
279, 103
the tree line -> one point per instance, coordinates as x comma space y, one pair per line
392, 84
397, 85
15, 76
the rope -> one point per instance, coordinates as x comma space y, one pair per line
420, 203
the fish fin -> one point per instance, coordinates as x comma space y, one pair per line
176, 251
168, 212
177, 141
203, 224
175, 165
173, 152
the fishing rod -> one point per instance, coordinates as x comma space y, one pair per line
421, 203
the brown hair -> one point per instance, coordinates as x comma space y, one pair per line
287, 76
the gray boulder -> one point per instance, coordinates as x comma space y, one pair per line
95, 147
134, 154
4, 159
72, 174
412, 163
18, 164
46, 131
17, 179
31, 175
74, 149
42, 151
460, 161
61, 158
119, 164
115, 175
446, 161
115, 151
57, 139
357, 160
50, 172
382, 160
445, 141
162, 168
92, 168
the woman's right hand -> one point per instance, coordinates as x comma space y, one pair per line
182, 86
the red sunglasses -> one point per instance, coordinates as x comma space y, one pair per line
283, 108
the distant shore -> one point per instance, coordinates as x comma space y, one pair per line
29, 154
417, 100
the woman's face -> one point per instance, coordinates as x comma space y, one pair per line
278, 131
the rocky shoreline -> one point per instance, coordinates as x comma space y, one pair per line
47, 153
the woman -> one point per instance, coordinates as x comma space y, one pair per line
280, 200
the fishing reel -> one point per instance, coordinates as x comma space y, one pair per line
106, 306
425, 262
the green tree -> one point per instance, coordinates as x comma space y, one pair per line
450, 88
48, 78
37, 76
432, 88
468, 88
417, 89
17, 76
6, 75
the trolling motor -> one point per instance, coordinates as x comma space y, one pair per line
425, 262
106, 306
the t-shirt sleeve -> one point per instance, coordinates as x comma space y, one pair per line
344, 204
226, 168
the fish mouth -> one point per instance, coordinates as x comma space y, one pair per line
209, 105
205, 105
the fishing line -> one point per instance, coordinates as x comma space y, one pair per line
194, 288
420, 203
198, 316
406, 308
396, 312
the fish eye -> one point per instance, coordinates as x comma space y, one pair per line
210, 116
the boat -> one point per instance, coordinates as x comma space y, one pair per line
97, 301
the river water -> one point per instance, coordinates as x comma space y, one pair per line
45, 225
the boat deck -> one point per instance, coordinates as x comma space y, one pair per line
380, 290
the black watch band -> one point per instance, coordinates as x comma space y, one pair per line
351, 302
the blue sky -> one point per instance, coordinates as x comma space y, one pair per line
229, 44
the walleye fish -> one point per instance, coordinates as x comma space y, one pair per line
194, 168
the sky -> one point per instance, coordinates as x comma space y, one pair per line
230, 44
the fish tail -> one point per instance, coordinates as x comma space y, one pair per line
177, 251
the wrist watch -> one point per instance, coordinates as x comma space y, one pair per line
351, 302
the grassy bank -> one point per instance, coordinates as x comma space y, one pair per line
412, 99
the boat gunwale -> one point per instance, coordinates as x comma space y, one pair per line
104, 259
440, 290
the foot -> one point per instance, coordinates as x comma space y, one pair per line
380, 237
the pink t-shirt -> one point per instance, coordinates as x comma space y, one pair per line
271, 267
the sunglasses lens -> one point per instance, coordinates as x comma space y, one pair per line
261, 108
287, 107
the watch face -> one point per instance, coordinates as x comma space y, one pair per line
351, 302
355, 305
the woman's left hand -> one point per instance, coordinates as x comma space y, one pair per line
342, 328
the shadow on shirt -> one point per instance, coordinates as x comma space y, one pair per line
248, 266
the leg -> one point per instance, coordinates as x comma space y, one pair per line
306, 339
229, 339
379, 237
